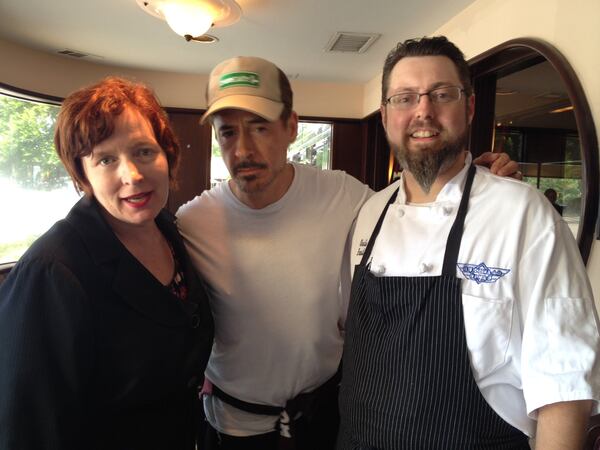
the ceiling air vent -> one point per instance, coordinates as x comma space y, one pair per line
77, 54
73, 53
351, 42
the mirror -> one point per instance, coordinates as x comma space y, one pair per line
535, 125
530, 104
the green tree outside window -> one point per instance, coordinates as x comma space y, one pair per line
27, 152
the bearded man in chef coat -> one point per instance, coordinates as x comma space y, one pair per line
471, 322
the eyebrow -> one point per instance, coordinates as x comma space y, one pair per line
258, 120
143, 141
436, 85
225, 127
253, 121
94, 154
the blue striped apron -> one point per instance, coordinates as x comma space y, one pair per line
407, 381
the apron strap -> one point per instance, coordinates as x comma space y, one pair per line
375, 232
456, 232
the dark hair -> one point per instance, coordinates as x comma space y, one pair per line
87, 117
427, 46
287, 96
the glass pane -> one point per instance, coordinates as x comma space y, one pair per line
36, 190
218, 169
536, 126
510, 142
312, 146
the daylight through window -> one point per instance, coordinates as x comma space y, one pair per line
36, 190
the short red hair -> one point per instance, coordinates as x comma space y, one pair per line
87, 117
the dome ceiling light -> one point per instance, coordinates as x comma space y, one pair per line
193, 18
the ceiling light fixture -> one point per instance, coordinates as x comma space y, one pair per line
503, 91
193, 18
560, 110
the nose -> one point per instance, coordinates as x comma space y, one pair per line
245, 145
424, 107
130, 172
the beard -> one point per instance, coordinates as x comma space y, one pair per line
246, 183
428, 162
256, 184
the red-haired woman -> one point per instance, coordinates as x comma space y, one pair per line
105, 328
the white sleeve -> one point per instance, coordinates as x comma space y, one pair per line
358, 192
561, 341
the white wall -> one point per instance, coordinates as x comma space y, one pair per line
59, 75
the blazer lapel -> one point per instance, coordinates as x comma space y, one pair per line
167, 223
129, 279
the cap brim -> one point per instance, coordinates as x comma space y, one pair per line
265, 108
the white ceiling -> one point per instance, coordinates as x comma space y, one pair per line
291, 33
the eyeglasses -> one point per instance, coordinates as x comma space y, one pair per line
438, 96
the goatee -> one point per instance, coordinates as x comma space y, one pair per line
427, 163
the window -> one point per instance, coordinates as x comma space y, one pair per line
218, 169
536, 126
36, 190
510, 142
312, 147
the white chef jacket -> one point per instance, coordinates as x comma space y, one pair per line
530, 321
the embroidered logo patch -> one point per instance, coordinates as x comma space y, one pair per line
480, 273
237, 79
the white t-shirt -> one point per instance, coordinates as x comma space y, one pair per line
274, 277
530, 320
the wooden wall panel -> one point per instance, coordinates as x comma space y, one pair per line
376, 161
347, 148
194, 169
482, 128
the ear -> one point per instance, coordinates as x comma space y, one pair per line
292, 125
383, 111
471, 108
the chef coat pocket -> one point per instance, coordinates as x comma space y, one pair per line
487, 328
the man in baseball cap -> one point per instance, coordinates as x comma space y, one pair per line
271, 244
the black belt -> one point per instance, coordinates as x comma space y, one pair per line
301, 405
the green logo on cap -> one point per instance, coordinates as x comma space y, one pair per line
236, 79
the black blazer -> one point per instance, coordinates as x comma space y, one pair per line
95, 353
